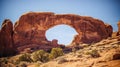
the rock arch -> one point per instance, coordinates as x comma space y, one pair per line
31, 28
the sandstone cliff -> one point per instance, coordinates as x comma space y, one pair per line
6, 39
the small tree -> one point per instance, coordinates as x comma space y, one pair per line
25, 57
56, 52
95, 53
40, 55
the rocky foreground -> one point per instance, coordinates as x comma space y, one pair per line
106, 53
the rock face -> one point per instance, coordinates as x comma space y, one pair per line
29, 31
54, 42
31, 28
113, 54
109, 29
118, 33
6, 39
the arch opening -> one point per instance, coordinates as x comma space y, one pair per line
63, 33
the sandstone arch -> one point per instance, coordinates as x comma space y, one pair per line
31, 28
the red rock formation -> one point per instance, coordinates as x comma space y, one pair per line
6, 39
118, 33
109, 29
31, 28
54, 42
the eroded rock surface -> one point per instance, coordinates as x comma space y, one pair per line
6, 39
109, 29
29, 31
31, 28
118, 33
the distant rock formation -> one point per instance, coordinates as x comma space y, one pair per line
109, 29
6, 39
118, 33
31, 28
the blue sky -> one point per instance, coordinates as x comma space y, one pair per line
106, 10
63, 33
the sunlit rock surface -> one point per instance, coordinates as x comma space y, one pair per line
31, 27
29, 30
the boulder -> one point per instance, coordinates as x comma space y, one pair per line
6, 39
54, 42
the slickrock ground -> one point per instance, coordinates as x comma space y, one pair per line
108, 50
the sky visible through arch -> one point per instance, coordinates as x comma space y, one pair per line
106, 10
63, 33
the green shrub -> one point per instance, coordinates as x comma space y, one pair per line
4, 60
93, 53
23, 64
16, 62
55, 52
25, 57
40, 55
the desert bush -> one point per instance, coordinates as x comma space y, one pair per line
23, 64
40, 55
4, 60
25, 57
16, 62
56, 52
94, 53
